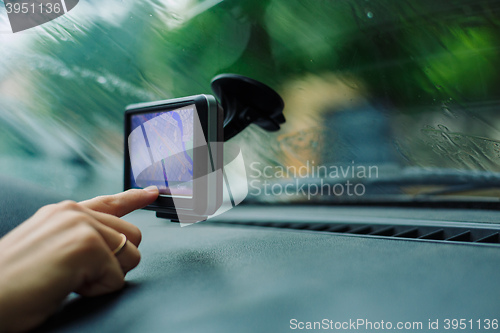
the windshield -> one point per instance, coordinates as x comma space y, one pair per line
383, 99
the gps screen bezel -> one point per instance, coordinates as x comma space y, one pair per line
204, 106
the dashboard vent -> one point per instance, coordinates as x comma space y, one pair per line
446, 234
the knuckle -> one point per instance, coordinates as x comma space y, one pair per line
77, 218
136, 257
68, 205
47, 208
88, 240
77, 224
133, 257
108, 200
135, 235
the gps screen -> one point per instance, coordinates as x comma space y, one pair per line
161, 151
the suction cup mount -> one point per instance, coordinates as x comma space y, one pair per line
246, 101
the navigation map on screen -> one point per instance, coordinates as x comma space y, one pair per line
161, 150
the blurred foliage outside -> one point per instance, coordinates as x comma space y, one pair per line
430, 67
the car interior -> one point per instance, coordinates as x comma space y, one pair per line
371, 204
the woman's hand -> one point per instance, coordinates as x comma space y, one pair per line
67, 247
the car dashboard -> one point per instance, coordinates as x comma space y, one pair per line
246, 272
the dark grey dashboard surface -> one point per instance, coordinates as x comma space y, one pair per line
212, 277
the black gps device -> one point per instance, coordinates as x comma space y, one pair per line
177, 144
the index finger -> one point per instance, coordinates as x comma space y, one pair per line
123, 203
